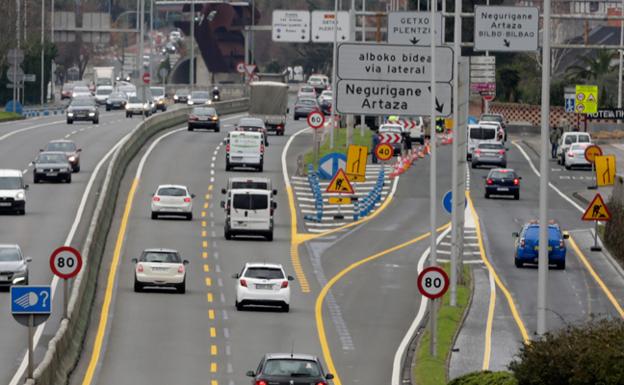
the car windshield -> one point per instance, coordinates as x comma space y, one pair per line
502, 174
117, 95
9, 254
307, 90
532, 232
157, 91
492, 118
61, 146
80, 89
204, 111
250, 184
583, 139
200, 95
397, 129
52, 158
160, 257
10, 183
291, 368
183, 91
307, 102
81, 103
251, 201
491, 146
68, 87
104, 92
171, 192
134, 99
264, 273
250, 123
482, 133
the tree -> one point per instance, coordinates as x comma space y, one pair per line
593, 70
508, 79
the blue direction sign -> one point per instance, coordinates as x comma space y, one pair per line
330, 164
31, 300
447, 202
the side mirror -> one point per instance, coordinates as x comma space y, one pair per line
223, 191
250, 373
185, 262
566, 235
134, 260
222, 204
515, 234
291, 278
274, 192
506, 148
192, 195
288, 110
79, 150
274, 205
329, 376
28, 259
41, 150
26, 187
519, 177
235, 275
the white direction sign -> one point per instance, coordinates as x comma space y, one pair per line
393, 62
291, 26
413, 28
323, 26
371, 97
506, 28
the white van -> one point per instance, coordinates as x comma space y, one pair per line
244, 149
569, 138
12, 192
479, 133
249, 212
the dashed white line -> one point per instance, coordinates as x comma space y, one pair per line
222, 297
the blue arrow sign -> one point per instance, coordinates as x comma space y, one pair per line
31, 300
447, 202
330, 164
570, 105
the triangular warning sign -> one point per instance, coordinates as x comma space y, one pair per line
340, 184
590, 98
597, 210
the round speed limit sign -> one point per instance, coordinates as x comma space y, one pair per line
433, 282
65, 262
384, 151
316, 119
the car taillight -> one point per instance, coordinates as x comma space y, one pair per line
489, 181
571, 154
321, 383
516, 181
227, 148
156, 199
262, 148
522, 243
181, 269
261, 382
502, 152
187, 200
140, 268
477, 152
284, 284
243, 283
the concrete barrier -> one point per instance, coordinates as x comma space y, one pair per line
65, 347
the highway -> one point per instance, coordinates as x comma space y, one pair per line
50, 209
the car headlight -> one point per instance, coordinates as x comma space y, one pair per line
70, 113
209, 102
65, 170
161, 101
215, 118
175, 97
189, 102
91, 113
72, 158
20, 196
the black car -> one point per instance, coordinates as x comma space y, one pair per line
52, 165
116, 101
502, 181
303, 107
204, 117
289, 369
82, 109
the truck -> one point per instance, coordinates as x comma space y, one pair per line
103, 76
269, 102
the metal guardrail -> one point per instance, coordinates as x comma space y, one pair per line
228, 91
65, 347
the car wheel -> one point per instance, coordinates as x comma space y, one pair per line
96, 121
296, 117
561, 265
227, 233
77, 169
154, 215
269, 236
473, 165
108, 108
68, 179
487, 196
286, 308
518, 263
35, 179
22, 212
503, 165
128, 115
238, 306
217, 129
190, 128
189, 216
138, 287
567, 167
181, 288
70, 121
517, 196
227, 166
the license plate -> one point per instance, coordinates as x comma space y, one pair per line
51, 174
158, 268
537, 248
5, 204
4, 278
264, 286
502, 189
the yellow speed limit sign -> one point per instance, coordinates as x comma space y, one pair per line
384, 151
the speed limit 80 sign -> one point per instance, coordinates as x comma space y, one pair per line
65, 262
433, 282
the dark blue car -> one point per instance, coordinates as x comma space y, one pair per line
527, 245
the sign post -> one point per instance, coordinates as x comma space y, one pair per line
357, 157
494, 30
605, 170
291, 26
65, 263
31, 306
316, 121
586, 99
590, 155
413, 28
433, 282
596, 211
340, 184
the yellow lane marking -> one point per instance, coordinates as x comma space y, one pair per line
208, 281
211, 314
499, 283
596, 277
209, 297
205, 205
204, 223
206, 268
318, 308
203, 214
213, 367
213, 350
214, 382
112, 273
209, 187
213, 332
205, 244
204, 254
207, 196
204, 233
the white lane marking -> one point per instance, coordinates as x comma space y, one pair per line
222, 297
213, 159
228, 350
212, 173
212, 165
217, 268
24, 171
526, 156
229, 368
9, 134
225, 315
212, 179
74, 132
219, 282
55, 280
396, 366
226, 333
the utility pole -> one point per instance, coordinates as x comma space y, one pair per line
192, 63
140, 68
151, 34
362, 117
455, 175
433, 200
42, 51
334, 88
52, 66
621, 58
251, 41
542, 267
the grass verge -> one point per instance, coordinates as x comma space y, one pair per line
429, 370
340, 144
8, 116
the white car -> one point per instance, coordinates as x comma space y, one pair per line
575, 156
160, 268
102, 93
263, 284
170, 199
306, 92
135, 106
12, 191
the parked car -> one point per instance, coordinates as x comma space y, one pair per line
567, 139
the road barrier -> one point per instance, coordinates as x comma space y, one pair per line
65, 347
315, 186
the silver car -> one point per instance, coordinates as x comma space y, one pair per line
13, 266
489, 153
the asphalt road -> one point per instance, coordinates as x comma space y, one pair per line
50, 209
